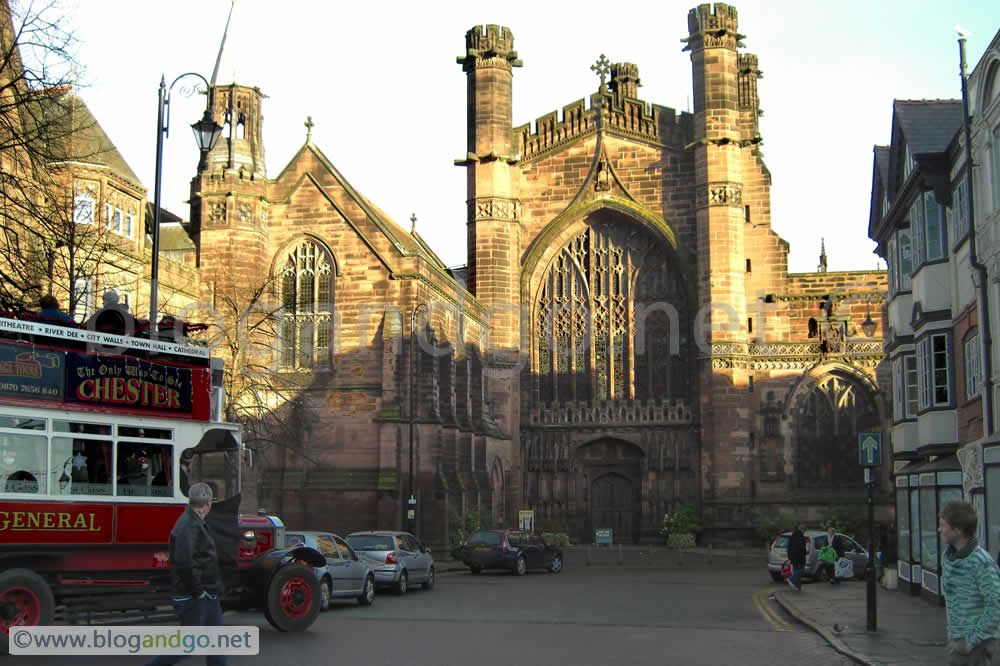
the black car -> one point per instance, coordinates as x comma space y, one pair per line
514, 550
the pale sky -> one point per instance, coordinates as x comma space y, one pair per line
388, 100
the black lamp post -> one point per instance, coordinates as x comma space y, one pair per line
869, 325
411, 508
206, 133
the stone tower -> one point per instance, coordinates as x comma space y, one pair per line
494, 216
228, 209
725, 132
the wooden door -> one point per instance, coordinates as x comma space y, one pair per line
611, 505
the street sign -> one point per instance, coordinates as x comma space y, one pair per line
604, 535
870, 449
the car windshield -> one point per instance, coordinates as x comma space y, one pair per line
781, 542
371, 542
486, 539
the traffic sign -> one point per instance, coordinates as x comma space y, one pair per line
870, 449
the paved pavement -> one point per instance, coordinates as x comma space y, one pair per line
909, 630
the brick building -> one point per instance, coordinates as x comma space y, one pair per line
625, 337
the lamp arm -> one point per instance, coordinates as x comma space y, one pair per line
166, 99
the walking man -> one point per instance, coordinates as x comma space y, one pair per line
797, 556
971, 588
194, 572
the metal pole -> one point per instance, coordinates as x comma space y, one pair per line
870, 567
411, 517
986, 339
154, 270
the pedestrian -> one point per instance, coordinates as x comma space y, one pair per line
971, 585
49, 309
797, 556
194, 572
827, 559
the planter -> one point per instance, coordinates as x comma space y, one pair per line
680, 541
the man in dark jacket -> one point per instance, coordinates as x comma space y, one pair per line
194, 572
797, 556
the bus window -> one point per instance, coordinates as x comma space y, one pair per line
144, 433
22, 423
22, 463
82, 427
140, 465
80, 467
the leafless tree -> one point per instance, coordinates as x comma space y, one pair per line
48, 240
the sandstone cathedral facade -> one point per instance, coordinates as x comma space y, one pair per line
625, 338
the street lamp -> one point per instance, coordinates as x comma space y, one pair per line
411, 508
869, 325
206, 133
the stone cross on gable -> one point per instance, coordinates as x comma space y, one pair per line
413, 220
602, 67
309, 127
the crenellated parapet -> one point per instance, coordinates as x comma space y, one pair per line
713, 26
489, 46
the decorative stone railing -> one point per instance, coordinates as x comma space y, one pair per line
613, 412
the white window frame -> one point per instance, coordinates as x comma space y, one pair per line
911, 384
973, 367
84, 209
119, 217
129, 224
108, 215
905, 282
930, 201
959, 216
932, 362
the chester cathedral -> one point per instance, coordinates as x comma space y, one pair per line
625, 337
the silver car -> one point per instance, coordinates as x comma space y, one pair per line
345, 574
777, 554
398, 559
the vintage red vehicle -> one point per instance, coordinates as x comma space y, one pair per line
100, 436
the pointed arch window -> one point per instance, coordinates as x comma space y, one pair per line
305, 284
608, 320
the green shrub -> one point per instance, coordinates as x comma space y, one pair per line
680, 541
558, 539
682, 520
845, 519
772, 525
461, 526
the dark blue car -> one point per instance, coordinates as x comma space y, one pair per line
514, 550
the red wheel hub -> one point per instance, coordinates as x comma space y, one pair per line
27, 608
296, 597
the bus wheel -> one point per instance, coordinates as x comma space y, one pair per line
25, 601
293, 598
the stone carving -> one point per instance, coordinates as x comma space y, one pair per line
615, 412
719, 194
244, 213
498, 209
217, 213
970, 457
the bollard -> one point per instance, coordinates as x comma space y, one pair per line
619, 554
588, 554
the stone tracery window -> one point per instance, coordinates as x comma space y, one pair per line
607, 309
305, 282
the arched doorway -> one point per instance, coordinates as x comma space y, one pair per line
609, 473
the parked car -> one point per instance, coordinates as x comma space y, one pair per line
777, 554
515, 550
345, 574
398, 559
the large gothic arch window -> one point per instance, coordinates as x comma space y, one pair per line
610, 308
305, 283
829, 415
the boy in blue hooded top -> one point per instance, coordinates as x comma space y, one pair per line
971, 585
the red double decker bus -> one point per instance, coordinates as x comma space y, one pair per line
100, 436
